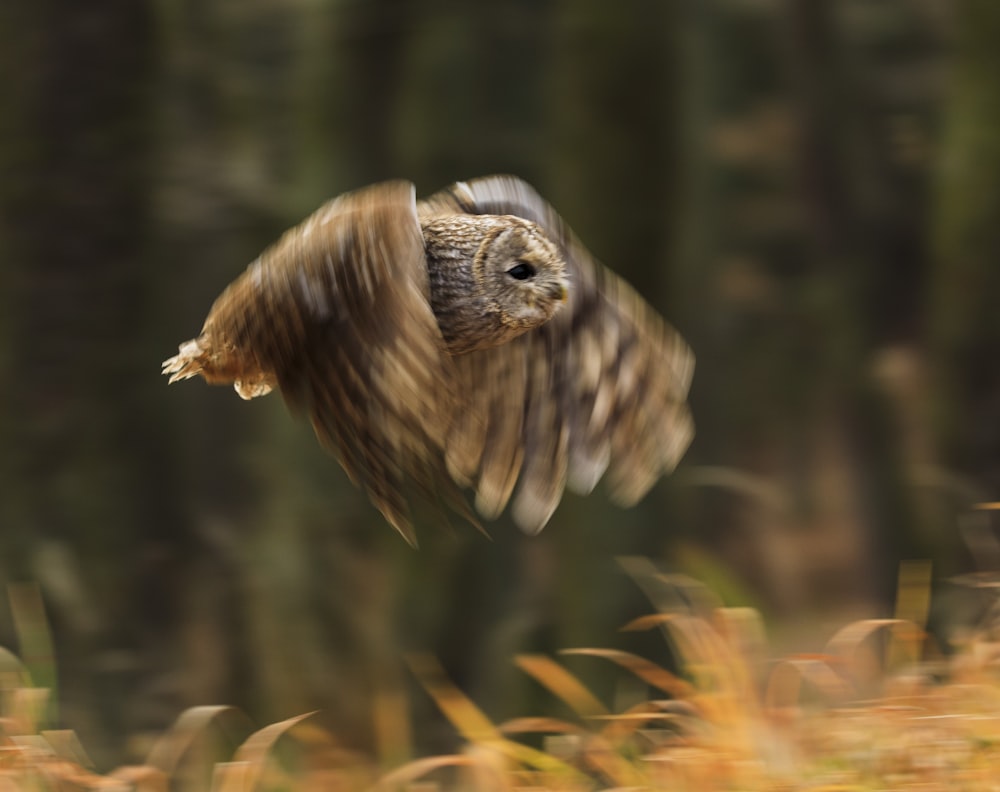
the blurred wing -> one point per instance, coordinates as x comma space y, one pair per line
601, 388
338, 312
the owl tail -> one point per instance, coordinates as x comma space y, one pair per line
199, 356
189, 362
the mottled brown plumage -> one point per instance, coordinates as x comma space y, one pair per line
476, 301
466, 340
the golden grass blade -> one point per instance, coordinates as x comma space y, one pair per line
465, 716
63, 775
488, 770
691, 594
685, 641
648, 622
561, 683
391, 722
141, 778
13, 673
913, 592
471, 722
232, 777
598, 752
600, 755
540, 726
723, 688
413, 771
256, 749
624, 725
848, 643
702, 646
187, 729
67, 745
743, 631
714, 665
670, 592
33, 742
646, 670
34, 638
784, 685
574, 741
913, 604
25, 710
259, 744
536, 760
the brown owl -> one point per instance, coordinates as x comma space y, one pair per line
467, 340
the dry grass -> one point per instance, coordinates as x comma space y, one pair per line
878, 709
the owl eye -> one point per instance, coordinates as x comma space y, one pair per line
521, 271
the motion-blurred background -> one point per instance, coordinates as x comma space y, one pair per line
808, 189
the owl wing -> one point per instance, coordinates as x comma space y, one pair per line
600, 389
337, 312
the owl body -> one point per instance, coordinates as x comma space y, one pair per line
463, 341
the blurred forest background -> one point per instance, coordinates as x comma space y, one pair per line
808, 189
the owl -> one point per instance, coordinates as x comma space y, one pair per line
463, 342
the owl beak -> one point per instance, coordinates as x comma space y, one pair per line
561, 292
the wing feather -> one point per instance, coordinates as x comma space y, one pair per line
488, 436
338, 313
598, 390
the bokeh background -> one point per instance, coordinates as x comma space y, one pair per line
808, 189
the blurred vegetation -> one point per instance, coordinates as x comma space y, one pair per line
808, 189
880, 707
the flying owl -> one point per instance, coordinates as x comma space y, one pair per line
465, 341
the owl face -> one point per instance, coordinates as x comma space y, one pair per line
524, 273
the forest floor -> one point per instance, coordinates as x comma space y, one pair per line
878, 709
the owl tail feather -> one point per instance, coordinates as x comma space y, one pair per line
189, 362
195, 357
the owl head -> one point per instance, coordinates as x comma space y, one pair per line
523, 273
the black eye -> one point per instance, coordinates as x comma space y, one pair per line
521, 271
